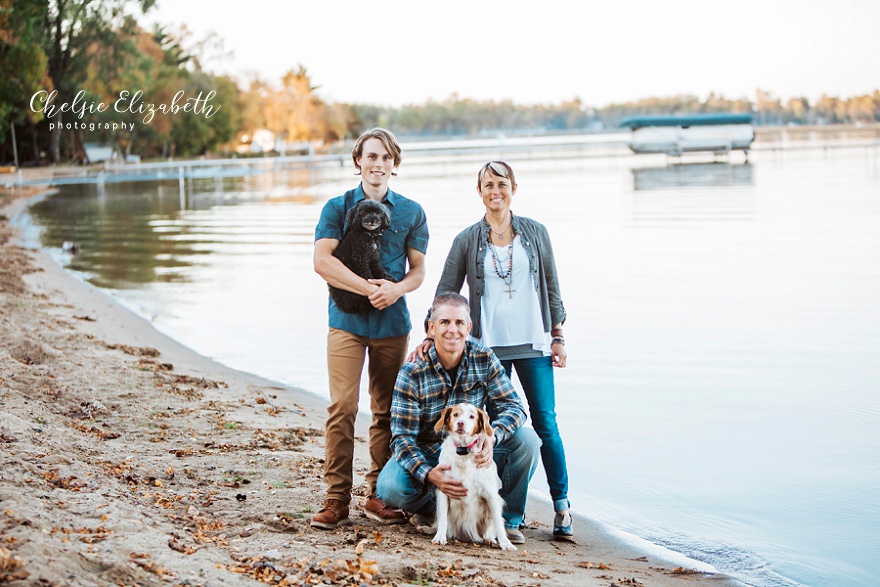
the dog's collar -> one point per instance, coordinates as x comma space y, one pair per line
463, 450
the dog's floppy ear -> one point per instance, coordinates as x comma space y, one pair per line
351, 218
444, 416
483, 424
386, 217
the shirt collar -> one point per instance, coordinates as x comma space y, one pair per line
390, 197
484, 225
514, 221
462, 365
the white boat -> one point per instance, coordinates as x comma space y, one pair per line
675, 135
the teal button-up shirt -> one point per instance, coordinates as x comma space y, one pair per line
409, 229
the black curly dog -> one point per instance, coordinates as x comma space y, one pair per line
359, 251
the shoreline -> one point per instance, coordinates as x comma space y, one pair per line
152, 464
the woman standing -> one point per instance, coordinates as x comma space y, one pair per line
516, 309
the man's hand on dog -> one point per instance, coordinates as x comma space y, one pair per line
453, 488
386, 294
483, 452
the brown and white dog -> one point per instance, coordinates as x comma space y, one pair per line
477, 516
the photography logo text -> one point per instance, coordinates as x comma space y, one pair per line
130, 102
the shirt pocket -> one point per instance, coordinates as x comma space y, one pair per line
394, 247
474, 392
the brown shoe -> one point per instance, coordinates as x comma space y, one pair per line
333, 514
379, 512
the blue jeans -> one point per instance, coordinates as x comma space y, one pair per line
516, 458
536, 377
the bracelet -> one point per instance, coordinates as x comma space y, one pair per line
557, 340
556, 332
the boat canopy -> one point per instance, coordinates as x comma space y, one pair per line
716, 118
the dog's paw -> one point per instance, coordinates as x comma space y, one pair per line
507, 546
438, 539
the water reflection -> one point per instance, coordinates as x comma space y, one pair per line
152, 232
692, 175
117, 245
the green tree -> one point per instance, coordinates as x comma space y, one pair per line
71, 28
23, 64
197, 134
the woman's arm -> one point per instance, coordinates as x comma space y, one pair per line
454, 268
557, 309
551, 277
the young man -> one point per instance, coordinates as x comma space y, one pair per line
383, 332
456, 370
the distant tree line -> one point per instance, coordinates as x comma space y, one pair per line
95, 49
465, 117
457, 116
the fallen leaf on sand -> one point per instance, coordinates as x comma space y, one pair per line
179, 547
9, 563
136, 351
359, 549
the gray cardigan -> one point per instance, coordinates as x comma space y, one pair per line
466, 259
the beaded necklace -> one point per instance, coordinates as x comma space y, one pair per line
506, 276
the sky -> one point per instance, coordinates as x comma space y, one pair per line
391, 52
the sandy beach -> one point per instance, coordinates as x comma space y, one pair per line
128, 459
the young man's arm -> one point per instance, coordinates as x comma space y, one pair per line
388, 292
334, 272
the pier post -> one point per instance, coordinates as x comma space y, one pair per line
182, 185
15, 153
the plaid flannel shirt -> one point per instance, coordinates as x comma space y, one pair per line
423, 389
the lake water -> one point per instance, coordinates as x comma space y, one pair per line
723, 390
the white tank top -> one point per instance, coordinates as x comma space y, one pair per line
511, 315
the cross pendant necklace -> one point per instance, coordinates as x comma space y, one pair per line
510, 290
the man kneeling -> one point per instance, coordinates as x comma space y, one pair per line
456, 370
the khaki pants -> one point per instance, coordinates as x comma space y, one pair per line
345, 362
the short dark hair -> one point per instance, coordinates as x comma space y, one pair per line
387, 138
448, 298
